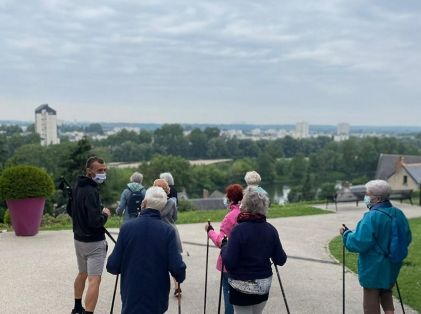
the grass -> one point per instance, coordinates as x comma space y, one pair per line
275, 211
410, 275
198, 216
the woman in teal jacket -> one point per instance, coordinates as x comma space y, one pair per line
376, 273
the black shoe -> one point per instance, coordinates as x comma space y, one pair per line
82, 311
177, 292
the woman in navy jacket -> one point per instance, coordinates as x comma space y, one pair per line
248, 253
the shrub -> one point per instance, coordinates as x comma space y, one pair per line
185, 205
23, 181
6, 218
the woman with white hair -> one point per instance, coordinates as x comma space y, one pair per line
376, 272
253, 178
145, 254
252, 245
131, 197
170, 180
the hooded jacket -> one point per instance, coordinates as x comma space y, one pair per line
86, 211
124, 199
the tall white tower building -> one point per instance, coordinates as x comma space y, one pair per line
46, 125
342, 132
302, 130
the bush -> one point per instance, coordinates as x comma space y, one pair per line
6, 218
22, 181
184, 205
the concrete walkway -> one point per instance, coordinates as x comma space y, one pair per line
37, 273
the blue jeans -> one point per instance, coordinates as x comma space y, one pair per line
229, 309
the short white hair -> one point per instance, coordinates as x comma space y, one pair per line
167, 177
252, 178
156, 198
136, 177
379, 188
255, 200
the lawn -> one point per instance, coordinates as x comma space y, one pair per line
198, 216
410, 276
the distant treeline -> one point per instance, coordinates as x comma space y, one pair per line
309, 166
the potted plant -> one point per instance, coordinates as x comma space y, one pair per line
25, 188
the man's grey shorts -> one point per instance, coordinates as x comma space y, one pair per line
91, 257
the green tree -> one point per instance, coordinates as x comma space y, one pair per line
198, 143
95, 128
76, 161
265, 165
169, 139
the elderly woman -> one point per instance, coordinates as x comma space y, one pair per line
146, 251
170, 180
247, 255
131, 197
376, 273
169, 216
234, 195
253, 178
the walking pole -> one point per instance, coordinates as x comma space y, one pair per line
220, 288
282, 288
400, 297
116, 278
343, 278
179, 298
206, 270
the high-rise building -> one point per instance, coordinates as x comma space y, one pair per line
46, 125
302, 130
342, 133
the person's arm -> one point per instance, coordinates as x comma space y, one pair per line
362, 239
176, 266
115, 259
231, 251
123, 203
167, 211
279, 256
226, 225
96, 218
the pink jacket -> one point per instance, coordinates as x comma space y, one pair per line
229, 222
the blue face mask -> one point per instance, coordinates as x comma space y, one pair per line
367, 201
225, 200
100, 177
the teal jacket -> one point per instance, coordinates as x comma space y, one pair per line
371, 240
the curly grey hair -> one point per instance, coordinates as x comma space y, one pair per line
379, 188
156, 198
255, 201
136, 177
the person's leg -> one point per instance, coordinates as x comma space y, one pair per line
243, 309
386, 300
95, 261
80, 280
258, 308
79, 285
92, 293
371, 301
229, 309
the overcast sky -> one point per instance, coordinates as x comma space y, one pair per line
213, 61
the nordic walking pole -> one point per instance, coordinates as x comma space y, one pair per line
343, 278
282, 288
206, 270
222, 278
343, 273
115, 290
400, 297
179, 298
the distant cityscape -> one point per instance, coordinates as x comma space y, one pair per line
47, 124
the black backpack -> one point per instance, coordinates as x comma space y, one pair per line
134, 202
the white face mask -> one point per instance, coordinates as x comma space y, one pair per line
367, 201
100, 177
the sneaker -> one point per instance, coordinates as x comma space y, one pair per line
177, 292
82, 311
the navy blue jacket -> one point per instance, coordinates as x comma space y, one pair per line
250, 247
145, 253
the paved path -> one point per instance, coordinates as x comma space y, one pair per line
37, 272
